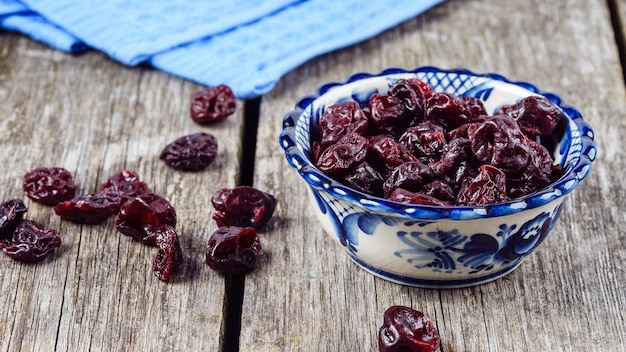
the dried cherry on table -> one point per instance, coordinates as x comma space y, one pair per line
242, 206
192, 152
30, 242
212, 104
127, 183
169, 255
49, 185
233, 250
90, 209
11, 213
407, 330
141, 216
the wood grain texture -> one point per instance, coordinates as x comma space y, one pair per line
95, 117
568, 296
98, 293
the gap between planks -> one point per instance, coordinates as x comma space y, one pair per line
234, 285
619, 30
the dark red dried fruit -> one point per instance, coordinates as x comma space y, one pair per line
488, 187
535, 115
457, 163
233, 250
426, 141
440, 190
447, 110
345, 154
213, 104
30, 242
169, 255
425, 88
126, 183
366, 179
90, 209
411, 94
538, 174
387, 114
463, 130
316, 151
11, 213
475, 106
242, 206
384, 153
49, 185
411, 176
407, 330
140, 217
498, 141
341, 119
193, 152
403, 196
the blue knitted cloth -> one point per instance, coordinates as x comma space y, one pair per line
247, 44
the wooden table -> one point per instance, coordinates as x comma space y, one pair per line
95, 117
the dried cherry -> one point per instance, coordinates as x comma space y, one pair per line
90, 209
411, 94
348, 152
385, 153
387, 114
457, 163
447, 110
498, 141
412, 176
488, 187
127, 183
426, 141
423, 87
366, 179
233, 250
475, 106
141, 216
11, 213
169, 255
341, 119
440, 190
407, 330
213, 104
192, 152
401, 195
242, 206
535, 115
49, 185
538, 174
30, 242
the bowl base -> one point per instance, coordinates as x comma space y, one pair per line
433, 283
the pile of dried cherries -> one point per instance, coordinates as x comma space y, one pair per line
414, 145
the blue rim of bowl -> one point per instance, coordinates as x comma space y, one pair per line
318, 180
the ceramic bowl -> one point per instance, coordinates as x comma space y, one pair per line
431, 246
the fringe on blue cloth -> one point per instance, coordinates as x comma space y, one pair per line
246, 44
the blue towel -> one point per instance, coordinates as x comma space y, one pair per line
246, 44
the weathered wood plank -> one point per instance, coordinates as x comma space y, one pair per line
568, 296
96, 117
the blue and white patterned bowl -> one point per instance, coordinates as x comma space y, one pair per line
429, 246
